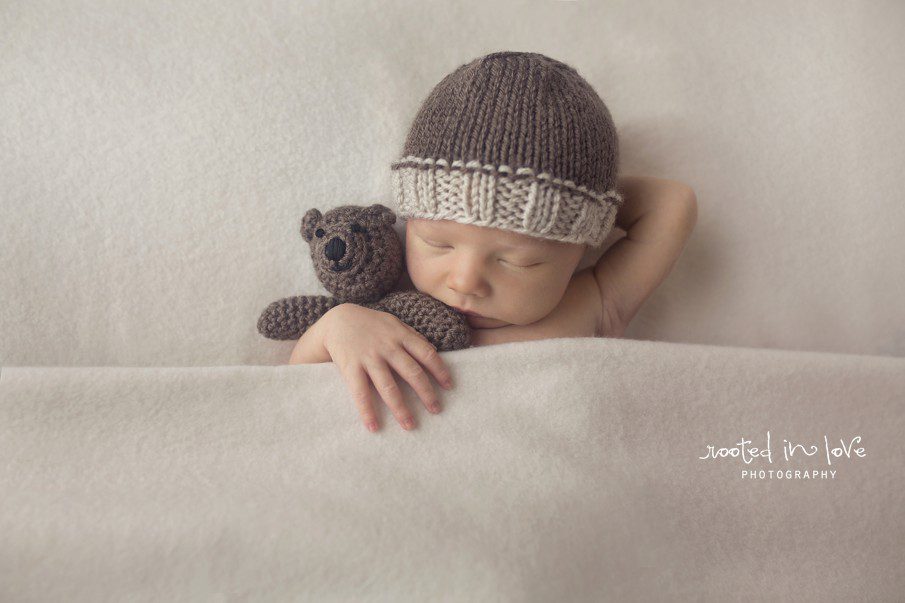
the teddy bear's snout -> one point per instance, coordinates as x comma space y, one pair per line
335, 249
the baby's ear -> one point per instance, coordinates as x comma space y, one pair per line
380, 214
310, 223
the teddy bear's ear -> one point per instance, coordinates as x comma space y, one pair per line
381, 214
310, 223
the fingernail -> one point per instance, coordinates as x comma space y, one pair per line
372, 426
434, 407
448, 384
408, 423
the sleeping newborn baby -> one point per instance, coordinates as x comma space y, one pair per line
508, 178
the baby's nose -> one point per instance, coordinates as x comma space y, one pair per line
335, 249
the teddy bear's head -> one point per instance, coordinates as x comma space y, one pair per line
356, 252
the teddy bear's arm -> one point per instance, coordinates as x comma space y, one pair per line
290, 317
441, 325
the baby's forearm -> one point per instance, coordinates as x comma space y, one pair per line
309, 349
658, 217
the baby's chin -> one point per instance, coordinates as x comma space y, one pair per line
482, 322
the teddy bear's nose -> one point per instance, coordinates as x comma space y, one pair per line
335, 249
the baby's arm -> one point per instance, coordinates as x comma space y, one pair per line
309, 349
658, 216
365, 344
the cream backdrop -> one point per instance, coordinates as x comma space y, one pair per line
157, 158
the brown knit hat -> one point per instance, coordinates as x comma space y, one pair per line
517, 141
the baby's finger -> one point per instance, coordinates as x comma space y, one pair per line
386, 386
414, 374
422, 351
360, 387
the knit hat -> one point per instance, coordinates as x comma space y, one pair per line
517, 141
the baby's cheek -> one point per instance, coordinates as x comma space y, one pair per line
421, 273
414, 264
525, 305
544, 298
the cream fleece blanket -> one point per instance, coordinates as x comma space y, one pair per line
566, 469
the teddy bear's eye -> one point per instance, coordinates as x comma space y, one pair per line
356, 227
319, 233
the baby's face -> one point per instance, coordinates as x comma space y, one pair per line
507, 277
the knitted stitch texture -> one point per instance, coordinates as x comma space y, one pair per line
517, 141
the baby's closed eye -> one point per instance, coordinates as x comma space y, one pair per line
517, 262
435, 244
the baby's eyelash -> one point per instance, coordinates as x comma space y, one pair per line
433, 244
519, 265
440, 246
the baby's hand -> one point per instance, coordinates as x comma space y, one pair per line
365, 343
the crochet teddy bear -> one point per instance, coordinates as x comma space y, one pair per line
358, 257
